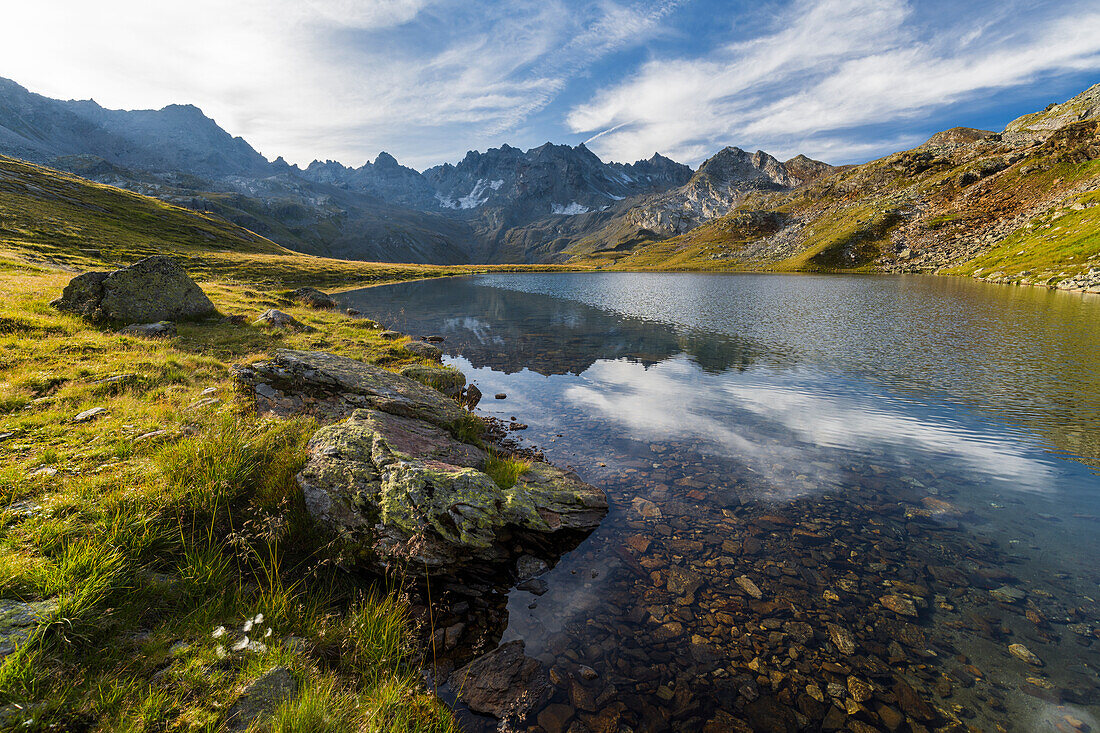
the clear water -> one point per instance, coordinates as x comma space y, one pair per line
834, 440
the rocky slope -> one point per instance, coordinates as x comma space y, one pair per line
1021, 205
501, 205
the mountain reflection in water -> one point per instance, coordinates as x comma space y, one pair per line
815, 480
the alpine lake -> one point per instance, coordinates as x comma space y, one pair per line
838, 502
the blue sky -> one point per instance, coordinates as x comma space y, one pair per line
839, 80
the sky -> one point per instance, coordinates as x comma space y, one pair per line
426, 80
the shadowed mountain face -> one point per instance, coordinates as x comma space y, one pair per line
501, 205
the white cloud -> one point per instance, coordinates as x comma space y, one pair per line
836, 65
325, 78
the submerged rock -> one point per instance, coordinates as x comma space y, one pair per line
406, 491
150, 290
505, 683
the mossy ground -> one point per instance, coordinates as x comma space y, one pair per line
148, 542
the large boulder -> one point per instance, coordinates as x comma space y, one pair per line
412, 496
153, 289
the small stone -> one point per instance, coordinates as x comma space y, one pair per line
529, 566
588, 673
421, 350
899, 605
352, 312
859, 690
538, 586
842, 638
748, 586
1008, 594
555, 718
200, 404
277, 319
665, 693
91, 414
815, 692
646, 508
314, 298
1024, 654
500, 396
390, 335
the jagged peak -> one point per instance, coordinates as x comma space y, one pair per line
384, 159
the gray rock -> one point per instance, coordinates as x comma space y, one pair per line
314, 298
411, 495
422, 350
19, 620
277, 319
153, 289
160, 329
504, 683
262, 698
317, 373
391, 335
90, 414
448, 381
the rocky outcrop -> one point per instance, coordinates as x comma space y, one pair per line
393, 480
448, 381
411, 495
261, 699
153, 289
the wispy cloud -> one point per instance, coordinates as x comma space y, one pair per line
826, 69
328, 78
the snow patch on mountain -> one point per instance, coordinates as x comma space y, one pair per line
473, 199
571, 210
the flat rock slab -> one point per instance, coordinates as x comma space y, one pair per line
444, 379
345, 384
19, 620
150, 290
505, 683
262, 698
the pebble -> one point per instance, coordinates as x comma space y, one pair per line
1024, 654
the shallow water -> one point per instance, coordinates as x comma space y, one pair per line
836, 500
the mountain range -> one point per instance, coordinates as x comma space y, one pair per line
1020, 204
500, 205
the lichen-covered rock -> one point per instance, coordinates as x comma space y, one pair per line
448, 381
423, 350
346, 384
153, 289
314, 298
409, 494
277, 319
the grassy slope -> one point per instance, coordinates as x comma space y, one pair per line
850, 220
148, 542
